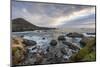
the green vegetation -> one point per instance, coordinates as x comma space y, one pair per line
90, 57
87, 53
18, 51
17, 55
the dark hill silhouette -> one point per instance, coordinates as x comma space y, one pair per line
20, 24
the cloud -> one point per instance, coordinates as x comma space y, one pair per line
54, 15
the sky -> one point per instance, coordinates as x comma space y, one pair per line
55, 15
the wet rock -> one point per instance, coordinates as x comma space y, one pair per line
55, 60
22, 36
62, 38
39, 59
83, 42
53, 43
53, 52
43, 38
74, 34
32, 49
29, 42
64, 50
70, 45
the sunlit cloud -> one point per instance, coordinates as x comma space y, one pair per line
75, 15
55, 15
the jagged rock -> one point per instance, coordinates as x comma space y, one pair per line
62, 38
85, 52
74, 34
53, 43
84, 41
29, 42
39, 59
32, 49
70, 45
64, 50
53, 51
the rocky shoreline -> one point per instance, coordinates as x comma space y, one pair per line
60, 50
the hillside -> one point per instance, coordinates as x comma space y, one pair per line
20, 24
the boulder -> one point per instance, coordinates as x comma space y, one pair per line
39, 59
86, 53
32, 49
29, 42
83, 42
74, 34
43, 38
70, 45
61, 38
64, 51
53, 43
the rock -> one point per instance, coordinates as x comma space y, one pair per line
39, 59
74, 34
53, 51
43, 38
61, 37
70, 45
29, 42
32, 49
64, 51
85, 52
83, 41
53, 43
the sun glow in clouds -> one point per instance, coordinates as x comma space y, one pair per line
75, 15
52, 15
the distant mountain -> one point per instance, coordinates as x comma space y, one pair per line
20, 24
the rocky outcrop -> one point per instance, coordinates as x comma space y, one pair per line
71, 46
74, 34
29, 42
27, 52
87, 53
61, 38
39, 59
64, 51
84, 41
53, 43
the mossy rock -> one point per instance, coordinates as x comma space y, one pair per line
17, 54
90, 57
85, 52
